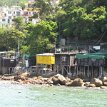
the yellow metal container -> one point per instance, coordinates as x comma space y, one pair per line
45, 59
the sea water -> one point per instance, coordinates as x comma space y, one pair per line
15, 95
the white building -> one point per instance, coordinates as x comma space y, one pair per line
53, 2
7, 14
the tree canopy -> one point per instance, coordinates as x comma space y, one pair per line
11, 2
80, 19
83, 19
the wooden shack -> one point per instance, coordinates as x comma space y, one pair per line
0, 65
7, 62
64, 63
31, 59
45, 63
7, 65
90, 65
46, 58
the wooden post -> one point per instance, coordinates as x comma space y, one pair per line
88, 72
77, 71
101, 71
84, 74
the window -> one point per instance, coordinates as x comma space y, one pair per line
18, 13
3, 19
9, 12
9, 17
8, 20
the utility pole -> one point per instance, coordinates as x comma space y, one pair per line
18, 53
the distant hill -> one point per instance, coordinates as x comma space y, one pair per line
11, 2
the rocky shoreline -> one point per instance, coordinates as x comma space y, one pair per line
58, 80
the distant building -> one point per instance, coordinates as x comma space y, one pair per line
29, 12
7, 14
54, 1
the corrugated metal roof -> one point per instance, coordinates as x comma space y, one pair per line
89, 55
45, 54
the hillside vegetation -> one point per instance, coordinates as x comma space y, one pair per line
11, 2
74, 20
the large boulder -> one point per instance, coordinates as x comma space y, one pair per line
68, 79
35, 78
16, 78
104, 79
87, 84
55, 80
22, 76
77, 82
105, 83
91, 85
39, 77
7, 78
103, 87
97, 82
25, 74
69, 83
59, 79
49, 81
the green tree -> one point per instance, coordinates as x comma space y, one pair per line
11, 2
83, 19
9, 38
43, 36
19, 23
45, 8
